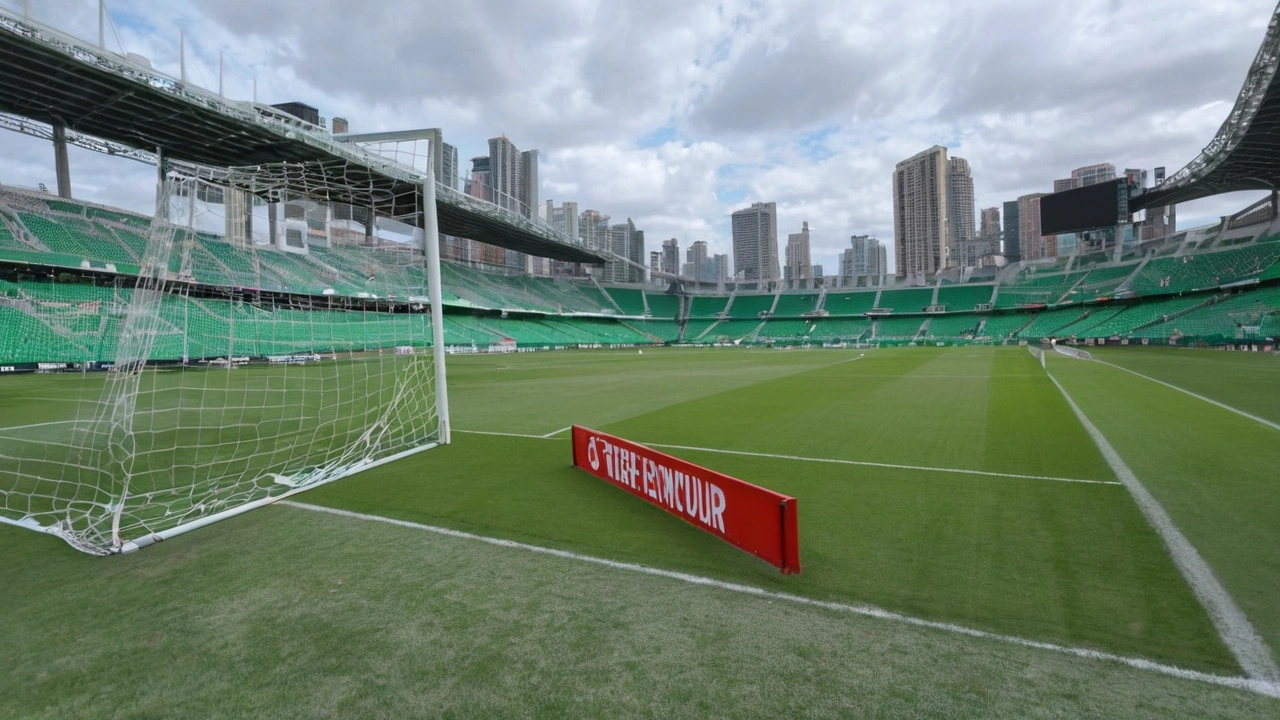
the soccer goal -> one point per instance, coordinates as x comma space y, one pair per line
284, 331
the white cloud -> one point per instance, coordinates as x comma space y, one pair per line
676, 112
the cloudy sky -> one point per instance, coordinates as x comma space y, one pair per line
677, 112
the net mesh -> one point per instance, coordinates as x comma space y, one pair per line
277, 337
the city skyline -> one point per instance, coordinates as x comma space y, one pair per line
675, 136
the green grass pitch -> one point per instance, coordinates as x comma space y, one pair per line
937, 483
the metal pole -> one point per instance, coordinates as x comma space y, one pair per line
162, 203
220, 73
102, 24
431, 239
26, 9
62, 167
182, 55
255, 89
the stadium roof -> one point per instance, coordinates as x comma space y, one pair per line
1245, 154
53, 78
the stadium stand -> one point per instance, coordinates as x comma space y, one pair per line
1165, 295
894, 328
999, 327
662, 305
1036, 290
962, 298
911, 300
951, 326
849, 303
706, 306
1201, 271
1048, 324
749, 306
785, 330
630, 300
795, 304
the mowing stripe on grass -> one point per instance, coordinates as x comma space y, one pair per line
1233, 627
1211, 401
892, 466
1254, 685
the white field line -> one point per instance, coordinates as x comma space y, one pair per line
832, 461
1233, 627
892, 466
556, 432
1211, 401
1261, 687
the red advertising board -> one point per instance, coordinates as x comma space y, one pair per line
759, 521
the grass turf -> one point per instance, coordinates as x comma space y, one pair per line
1054, 561
286, 613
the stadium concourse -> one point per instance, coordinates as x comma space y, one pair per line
67, 270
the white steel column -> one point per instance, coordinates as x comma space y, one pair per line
431, 239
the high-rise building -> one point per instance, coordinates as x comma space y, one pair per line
799, 266
755, 243
670, 257
514, 176
449, 170
655, 263
719, 268
481, 185
960, 202
1011, 235
989, 226
1093, 174
696, 263
922, 234
626, 242
864, 263
564, 219
1063, 184
1032, 245
593, 229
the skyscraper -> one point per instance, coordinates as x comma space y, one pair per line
670, 257
1010, 235
627, 242
449, 171
1032, 244
1093, 174
798, 265
719, 264
696, 263
989, 226
863, 264
922, 235
514, 176
755, 243
960, 202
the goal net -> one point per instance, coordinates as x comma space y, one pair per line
278, 336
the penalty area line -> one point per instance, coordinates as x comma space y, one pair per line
891, 466
831, 461
1258, 686
1211, 401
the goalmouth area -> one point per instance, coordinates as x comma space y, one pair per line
967, 550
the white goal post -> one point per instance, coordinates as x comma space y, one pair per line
285, 330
